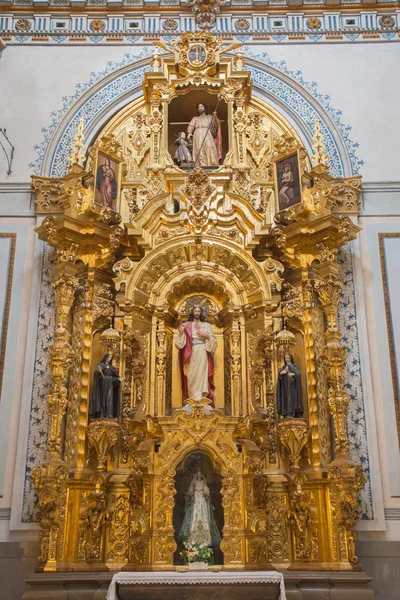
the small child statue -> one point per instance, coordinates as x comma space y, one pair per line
182, 154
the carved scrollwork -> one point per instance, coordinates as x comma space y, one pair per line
138, 136
92, 527
277, 537
347, 195
257, 133
300, 519
344, 490
119, 528
51, 486
198, 190
48, 195
102, 435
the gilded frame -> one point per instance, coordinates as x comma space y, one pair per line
389, 326
291, 159
116, 162
4, 325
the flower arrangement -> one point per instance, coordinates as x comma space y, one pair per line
197, 553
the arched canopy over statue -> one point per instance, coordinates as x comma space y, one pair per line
197, 344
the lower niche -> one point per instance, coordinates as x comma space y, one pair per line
185, 473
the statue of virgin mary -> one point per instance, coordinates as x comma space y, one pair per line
199, 526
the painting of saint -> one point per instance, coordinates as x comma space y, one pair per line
289, 190
106, 182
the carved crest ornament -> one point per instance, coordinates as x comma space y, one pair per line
138, 240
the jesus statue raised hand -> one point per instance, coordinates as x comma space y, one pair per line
197, 344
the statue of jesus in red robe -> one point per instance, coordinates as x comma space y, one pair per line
197, 344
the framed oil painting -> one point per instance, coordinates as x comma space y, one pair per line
107, 180
288, 180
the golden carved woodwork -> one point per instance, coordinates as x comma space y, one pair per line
102, 435
301, 519
92, 526
77, 156
319, 157
269, 281
50, 481
293, 434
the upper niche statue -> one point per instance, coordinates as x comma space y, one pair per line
204, 131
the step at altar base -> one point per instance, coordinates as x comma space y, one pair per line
299, 585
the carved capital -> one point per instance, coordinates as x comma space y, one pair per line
347, 195
67, 253
294, 434
64, 288
328, 290
48, 193
102, 436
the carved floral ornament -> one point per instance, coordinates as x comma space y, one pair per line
314, 23
242, 24
172, 274
170, 24
23, 25
387, 21
206, 12
97, 25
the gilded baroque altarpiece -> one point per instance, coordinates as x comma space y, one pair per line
124, 276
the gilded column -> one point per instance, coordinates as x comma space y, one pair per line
161, 365
236, 367
334, 357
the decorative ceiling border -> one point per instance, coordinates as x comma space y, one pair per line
109, 90
102, 26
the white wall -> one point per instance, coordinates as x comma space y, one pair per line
361, 82
359, 78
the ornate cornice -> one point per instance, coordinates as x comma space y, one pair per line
279, 23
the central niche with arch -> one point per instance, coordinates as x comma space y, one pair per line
186, 516
183, 108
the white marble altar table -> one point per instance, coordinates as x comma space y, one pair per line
195, 578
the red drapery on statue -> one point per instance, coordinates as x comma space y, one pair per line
184, 357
